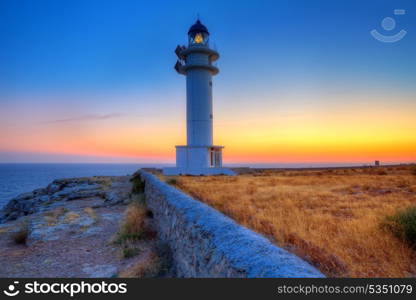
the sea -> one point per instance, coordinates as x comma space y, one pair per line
18, 178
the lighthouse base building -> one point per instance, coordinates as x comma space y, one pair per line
198, 160
199, 156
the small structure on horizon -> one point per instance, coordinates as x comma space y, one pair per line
200, 156
377, 163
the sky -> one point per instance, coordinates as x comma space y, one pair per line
300, 81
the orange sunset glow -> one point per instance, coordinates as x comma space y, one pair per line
338, 133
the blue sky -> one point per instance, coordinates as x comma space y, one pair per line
115, 58
93, 44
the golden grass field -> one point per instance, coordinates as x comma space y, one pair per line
331, 218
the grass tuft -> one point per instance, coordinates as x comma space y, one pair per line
52, 216
134, 226
150, 266
91, 213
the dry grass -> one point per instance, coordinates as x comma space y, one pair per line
150, 265
329, 217
52, 216
71, 217
91, 213
4, 230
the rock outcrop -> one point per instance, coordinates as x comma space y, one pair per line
111, 192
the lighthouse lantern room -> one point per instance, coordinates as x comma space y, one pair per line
199, 156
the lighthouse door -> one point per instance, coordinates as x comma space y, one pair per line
211, 157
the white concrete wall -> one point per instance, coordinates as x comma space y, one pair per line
182, 157
205, 243
192, 157
199, 107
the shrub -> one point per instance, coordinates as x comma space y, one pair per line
172, 181
381, 172
130, 252
403, 225
413, 170
20, 236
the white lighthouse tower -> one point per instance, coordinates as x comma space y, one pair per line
199, 156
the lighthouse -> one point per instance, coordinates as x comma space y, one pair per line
196, 61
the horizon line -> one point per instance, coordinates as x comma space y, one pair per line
230, 164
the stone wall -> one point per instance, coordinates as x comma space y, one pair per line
205, 243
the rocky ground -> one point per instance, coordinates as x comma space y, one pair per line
70, 227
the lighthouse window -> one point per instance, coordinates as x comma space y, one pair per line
210, 83
198, 39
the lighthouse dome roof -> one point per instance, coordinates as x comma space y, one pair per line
198, 27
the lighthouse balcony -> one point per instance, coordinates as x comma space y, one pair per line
183, 68
182, 52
